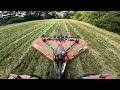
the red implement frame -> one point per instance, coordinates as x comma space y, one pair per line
44, 48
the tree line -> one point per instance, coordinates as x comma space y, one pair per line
109, 20
9, 17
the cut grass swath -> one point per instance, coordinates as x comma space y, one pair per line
17, 55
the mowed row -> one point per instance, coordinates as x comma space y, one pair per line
18, 56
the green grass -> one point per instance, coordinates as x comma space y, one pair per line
17, 55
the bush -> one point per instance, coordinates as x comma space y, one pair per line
109, 20
16, 20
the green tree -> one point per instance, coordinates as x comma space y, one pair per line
109, 20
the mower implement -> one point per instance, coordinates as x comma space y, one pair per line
60, 49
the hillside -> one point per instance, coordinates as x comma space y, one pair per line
17, 55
